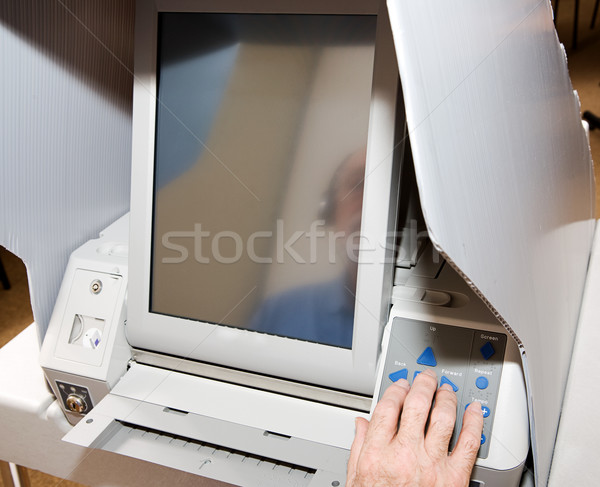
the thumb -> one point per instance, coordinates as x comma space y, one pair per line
361, 425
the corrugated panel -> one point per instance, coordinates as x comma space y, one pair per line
65, 127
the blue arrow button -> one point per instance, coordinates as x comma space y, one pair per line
445, 380
399, 374
427, 358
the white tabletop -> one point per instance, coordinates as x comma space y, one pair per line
32, 425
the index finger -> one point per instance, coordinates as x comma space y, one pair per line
384, 421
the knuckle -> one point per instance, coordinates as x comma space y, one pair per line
440, 428
395, 391
418, 406
389, 403
368, 462
383, 412
438, 450
412, 417
427, 379
378, 425
444, 417
471, 445
386, 404
408, 440
446, 396
418, 402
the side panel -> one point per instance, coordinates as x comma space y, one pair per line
65, 99
573, 462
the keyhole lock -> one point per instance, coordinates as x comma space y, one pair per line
76, 404
96, 286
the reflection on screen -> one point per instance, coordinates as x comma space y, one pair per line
259, 162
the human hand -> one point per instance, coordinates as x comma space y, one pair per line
384, 454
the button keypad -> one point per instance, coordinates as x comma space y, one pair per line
469, 361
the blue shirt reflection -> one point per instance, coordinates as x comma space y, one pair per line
322, 313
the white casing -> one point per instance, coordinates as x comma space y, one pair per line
97, 369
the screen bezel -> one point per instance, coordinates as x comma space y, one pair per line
338, 368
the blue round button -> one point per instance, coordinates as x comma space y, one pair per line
482, 382
483, 438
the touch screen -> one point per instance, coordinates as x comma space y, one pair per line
261, 135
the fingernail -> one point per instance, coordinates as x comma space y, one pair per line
402, 383
447, 387
430, 372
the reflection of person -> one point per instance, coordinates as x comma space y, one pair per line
324, 312
385, 454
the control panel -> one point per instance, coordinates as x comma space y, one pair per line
468, 360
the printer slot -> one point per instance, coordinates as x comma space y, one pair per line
199, 455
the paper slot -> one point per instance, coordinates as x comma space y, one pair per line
86, 331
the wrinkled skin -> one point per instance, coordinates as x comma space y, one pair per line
384, 454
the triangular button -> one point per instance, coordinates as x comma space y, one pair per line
427, 358
445, 380
399, 374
